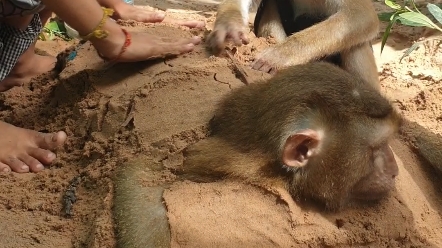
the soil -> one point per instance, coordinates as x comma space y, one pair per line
154, 110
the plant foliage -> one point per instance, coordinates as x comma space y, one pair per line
409, 15
54, 28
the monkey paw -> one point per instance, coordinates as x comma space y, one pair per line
270, 61
223, 32
275, 58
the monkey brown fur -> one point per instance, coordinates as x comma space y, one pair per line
305, 30
138, 210
314, 129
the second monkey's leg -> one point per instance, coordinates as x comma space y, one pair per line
268, 21
360, 61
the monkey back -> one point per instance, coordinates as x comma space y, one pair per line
253, 117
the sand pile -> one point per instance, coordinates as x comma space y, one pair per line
148, 112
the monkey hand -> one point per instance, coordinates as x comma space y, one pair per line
277, 57
223, 32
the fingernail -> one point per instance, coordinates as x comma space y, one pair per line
160, 15
6, 170
24, 168
39, 167
51, 156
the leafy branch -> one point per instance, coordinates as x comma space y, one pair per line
409, 15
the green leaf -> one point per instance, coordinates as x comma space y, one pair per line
56, 28
407, 22
387, 31
387, 16
53, 26
392, 4
435, 11
410, 50
417, 20
61, 26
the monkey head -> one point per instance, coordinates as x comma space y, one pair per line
320, 131
342, 153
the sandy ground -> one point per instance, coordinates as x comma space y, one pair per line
150, 111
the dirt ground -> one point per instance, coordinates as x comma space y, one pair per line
153, 110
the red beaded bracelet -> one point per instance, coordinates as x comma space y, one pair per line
126, 44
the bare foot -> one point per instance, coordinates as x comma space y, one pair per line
27, 68
145, 47
23, 150
142, 46
129, 12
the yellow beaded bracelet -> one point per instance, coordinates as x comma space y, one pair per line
98, 31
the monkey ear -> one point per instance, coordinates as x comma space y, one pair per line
299, 147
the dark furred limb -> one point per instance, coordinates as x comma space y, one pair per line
139, 213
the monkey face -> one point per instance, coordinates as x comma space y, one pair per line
354, 165
380, 165
380, 180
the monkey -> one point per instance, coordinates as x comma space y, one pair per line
314, 129
139, 213
427, 143
338, 31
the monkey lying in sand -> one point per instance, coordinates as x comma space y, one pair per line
313, 129
339, 31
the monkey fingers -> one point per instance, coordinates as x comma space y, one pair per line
220, 35
215, 40
238, 37
264, 66
266, 61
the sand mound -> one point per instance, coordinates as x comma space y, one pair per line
151, 111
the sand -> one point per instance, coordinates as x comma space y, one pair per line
151, 111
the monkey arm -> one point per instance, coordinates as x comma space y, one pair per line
234, 9
339, 32
231, 22
352, 24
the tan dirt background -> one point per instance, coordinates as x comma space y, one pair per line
155, 109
